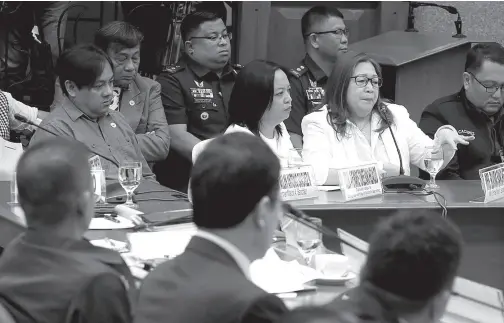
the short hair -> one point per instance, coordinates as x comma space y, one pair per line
192, 21
81, 64
217, 7
479, 53
316, 314
336, 93
230, 177
120, 33
252, 94
414, 255
51, 177
315, 15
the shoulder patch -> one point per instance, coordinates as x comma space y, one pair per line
173, 69
299, 71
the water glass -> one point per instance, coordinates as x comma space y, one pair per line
433, 161
130, 175
308, 239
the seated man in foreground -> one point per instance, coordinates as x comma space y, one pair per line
236, 207
51, 273
86, 77
476, 110
409, 272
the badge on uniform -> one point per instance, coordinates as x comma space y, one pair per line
204, 116
315, 93
202, 93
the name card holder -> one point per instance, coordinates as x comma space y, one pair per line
360, 181
492, 182
297, 183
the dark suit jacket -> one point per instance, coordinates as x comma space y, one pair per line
49, 280
204, 285
142, 109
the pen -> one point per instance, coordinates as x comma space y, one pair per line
110, 217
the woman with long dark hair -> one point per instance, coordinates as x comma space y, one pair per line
352, 126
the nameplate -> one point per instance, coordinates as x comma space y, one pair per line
95, 162
297, 183
99, 186
360, 181
492, 182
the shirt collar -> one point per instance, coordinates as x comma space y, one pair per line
471, 107
75, 113
315, 70
202, 71
238, 256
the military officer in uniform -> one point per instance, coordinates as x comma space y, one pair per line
325, 36
195, 93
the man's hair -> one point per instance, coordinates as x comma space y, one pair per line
230, 177
316, 314
51, 176
414, 255
192, 21
314, 15
118, 33
479, 53
81, 64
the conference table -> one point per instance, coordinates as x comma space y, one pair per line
482, 225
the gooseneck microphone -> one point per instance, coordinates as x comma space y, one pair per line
25, 120
382, 109
300, 217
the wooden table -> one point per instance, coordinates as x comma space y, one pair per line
482, 225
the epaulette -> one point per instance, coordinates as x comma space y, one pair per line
299, 71
173, 68
237, 66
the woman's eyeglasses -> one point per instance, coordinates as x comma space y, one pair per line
362, 81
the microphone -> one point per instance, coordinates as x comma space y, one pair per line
300, 217
25, 120
401, 182
452, 10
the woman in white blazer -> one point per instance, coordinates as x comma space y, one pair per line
259, 103
351, 128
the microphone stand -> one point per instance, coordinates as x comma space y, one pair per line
450, 9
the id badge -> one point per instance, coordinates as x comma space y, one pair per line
315, 93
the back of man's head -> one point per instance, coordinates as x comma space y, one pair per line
119, 34
479, 53
414, 255
232, 174
315, 314
53, 178
315, 15
82, 64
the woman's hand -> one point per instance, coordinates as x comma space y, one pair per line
448, 137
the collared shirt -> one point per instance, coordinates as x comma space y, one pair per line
195, 96
307, 92
239, 257
46, 278
110, 136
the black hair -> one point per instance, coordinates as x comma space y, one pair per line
479, 53
81, 64
230, 176
192, 21
414, 255
314, 15
252, 94
119, 33
51, 177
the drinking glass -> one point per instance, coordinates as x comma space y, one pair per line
130, 175
308, 239
295, 158
433, 161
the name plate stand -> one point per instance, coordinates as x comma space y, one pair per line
360, 181
297, 183
492, 182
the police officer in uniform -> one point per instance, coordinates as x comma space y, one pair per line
325, 36
195, 93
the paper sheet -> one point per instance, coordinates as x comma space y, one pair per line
105, 224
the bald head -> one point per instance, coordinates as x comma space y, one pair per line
53, 176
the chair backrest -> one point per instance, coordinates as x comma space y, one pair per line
5, 316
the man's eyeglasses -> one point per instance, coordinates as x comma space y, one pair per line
489, 88
216, 38
362, 81
338, 32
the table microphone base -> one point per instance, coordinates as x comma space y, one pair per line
402, 183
